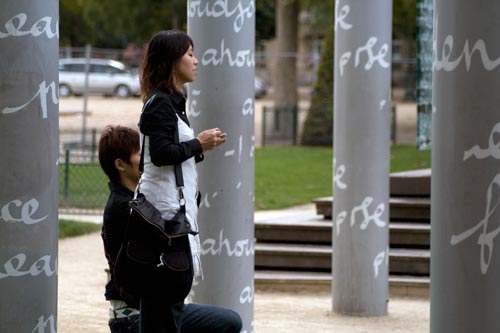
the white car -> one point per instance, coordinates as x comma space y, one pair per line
106, 77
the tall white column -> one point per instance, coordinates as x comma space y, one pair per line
29, 44
362, 92
223, 96
465, 258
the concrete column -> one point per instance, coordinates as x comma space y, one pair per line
361, 156
29, 44
465, 261
223, 96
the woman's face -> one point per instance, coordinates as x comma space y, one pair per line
186, 69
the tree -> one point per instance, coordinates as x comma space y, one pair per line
265, 20
115, 23
285, 78
73, 28
404, 24
318, 126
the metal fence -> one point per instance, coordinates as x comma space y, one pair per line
82, 183
282, 126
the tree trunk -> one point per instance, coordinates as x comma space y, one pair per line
285, 80
285, 75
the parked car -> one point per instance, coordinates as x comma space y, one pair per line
106, 77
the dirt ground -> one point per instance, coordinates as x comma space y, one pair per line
82, 308
103, 111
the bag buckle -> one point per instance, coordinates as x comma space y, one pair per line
162, 262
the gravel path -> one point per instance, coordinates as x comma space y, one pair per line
82, 308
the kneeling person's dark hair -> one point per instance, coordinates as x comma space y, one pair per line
116, 142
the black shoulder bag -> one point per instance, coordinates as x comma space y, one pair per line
155, 257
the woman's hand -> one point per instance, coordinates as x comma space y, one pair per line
211, 138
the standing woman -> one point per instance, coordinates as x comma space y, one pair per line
169, 63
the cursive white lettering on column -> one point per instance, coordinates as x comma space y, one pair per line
221, 8
25, 215
379, 259
243, 58
441, 58
252, 148
485, 240
368, 48
382, 104
247, 108
363, 211
42, 92
232, 152
246, 295
363, 208
344, 59
339, 173
244, 247
194, 103
43, 324
14, 25
14, 267
493, 149
339, 220
341, 15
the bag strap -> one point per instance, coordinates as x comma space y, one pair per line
179, 178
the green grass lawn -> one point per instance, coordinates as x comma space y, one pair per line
284, 176
83, 185
69, 228
288, 176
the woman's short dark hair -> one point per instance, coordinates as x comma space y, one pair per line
117, 142
164, 50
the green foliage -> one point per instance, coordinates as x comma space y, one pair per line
265, 19
69, 228
404, 19
322, 14
318, 126
73, 28
115, 23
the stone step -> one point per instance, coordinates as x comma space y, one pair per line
401, 208
409, 235
399, 285
411, 183
317, 258
316, 231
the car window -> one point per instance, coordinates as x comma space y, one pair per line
72, 67
115, 70
99, 69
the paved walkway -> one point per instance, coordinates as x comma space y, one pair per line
82, 308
